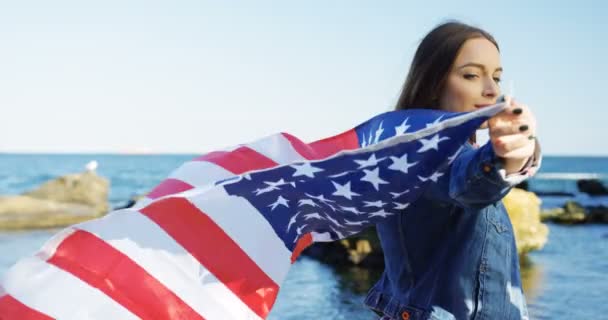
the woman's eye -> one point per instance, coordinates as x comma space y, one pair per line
470, 76
497, 80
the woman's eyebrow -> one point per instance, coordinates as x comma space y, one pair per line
477, 65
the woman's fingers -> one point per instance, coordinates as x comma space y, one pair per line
510, 131
524, 152
504, 145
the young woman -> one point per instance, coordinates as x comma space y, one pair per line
452, 254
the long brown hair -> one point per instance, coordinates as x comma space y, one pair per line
432, 63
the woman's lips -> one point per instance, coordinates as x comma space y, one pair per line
482, 105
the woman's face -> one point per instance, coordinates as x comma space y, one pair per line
472, 82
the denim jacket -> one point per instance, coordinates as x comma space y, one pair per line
452, 253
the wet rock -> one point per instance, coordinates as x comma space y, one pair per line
597, 214
523, 208
66, 200
592, 187
574, 213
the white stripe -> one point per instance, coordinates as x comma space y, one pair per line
247, 227
59, 294
200, 173
277, 148
155, 251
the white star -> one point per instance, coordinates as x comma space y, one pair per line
344, 190
453, 157
305, 169
275, 184
352, 223
280, 201
314, 215
401, 206
307, 202
380, 213
399, 130
292, 220
432, 143
434, 177
372, 176
401, 164
340, 174
372, 161
350, 209
378, 204
434, 122
379, 133
259, 191
299, 230
397, 194
334, 221
330, 206
340, 236
320, 198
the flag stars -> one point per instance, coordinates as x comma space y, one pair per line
305, 169
398, 194
309, 202
377, 204
280, 201
436, 122
401, 129
379, 133
372, 161
372, 176
432, 143
344, 190
434, 177
401, 164
401, 206
380, 213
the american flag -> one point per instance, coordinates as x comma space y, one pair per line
216, 239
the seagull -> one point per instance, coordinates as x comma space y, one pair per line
91, 166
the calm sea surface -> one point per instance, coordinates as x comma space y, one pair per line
568, 279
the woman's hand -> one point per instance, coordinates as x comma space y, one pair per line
512, 134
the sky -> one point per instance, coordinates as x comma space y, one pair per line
195, 76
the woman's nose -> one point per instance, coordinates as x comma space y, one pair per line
491, 89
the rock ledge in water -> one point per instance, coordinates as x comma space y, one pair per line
66, 200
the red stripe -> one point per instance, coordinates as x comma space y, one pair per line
303, 243
240, 160
109, 270
12, 309
327, 147
167, 187
215, 250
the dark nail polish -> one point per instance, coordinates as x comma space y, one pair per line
523, 128
518, 111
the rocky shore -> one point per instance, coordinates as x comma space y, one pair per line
57, 203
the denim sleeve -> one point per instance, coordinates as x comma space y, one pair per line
476, 178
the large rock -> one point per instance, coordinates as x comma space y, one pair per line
523, 208
592, 187
574, 213
66, 200
85, 188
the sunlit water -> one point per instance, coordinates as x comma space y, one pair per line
566, 280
